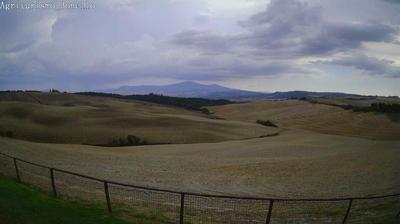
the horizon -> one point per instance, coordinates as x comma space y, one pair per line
261, 46
182, 82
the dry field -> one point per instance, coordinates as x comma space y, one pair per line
322, 151
318, 118
295, 164
74, 119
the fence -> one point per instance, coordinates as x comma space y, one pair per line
186, 207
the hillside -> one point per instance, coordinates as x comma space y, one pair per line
70, 118
320, 118
182, 102
315, 141
213, 91
294, 164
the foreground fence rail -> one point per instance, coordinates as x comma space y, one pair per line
187, 207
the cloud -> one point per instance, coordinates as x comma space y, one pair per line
368, 65
393, 1
124, 40
21, 31
290, 29
205, 40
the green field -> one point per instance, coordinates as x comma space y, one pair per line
24, 204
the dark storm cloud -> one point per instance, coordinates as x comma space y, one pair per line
393, 1
218, 68
369, 65
341, 37
210, 43
291, 29
122, 41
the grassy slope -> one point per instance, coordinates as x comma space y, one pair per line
67, 118
20, 204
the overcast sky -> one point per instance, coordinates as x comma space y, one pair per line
317, 45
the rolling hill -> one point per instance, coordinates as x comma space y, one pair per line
78, 119
320, 118
321, 151
193, 89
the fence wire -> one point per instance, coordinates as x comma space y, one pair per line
181, 207
78, 187
200, 209
34, 175
381, 210
312, 212
163, 204
7, 166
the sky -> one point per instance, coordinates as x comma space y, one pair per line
271, 45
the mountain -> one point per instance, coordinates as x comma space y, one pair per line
213, 91
186, 89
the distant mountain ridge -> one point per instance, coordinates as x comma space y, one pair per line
213, 91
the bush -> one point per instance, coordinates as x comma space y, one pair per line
130, 140
8, 134
133, 140
205, 111
267, 123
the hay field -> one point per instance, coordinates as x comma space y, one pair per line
295, 164
74, 119
322, 151
294, 114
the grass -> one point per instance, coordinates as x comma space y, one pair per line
27, 205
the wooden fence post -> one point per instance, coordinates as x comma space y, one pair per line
107, 193
53, 183
271, 204
16, 170
347, 212
182, 209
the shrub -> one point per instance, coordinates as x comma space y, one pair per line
133, 140
205, 111
8, 134
130, 140
270, 135
267, 123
